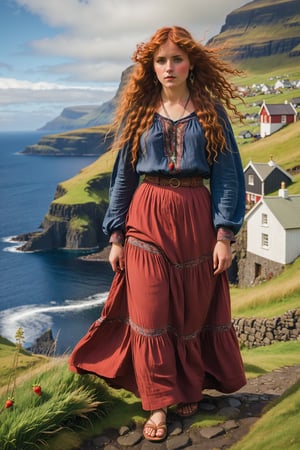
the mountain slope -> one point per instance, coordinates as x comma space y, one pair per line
261, 28
86, 116
258, 30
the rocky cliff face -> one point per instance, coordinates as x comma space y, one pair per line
261, 28
76, 226
76, 117
250, 32
86, 142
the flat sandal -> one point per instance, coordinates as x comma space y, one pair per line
154, 427
192, 406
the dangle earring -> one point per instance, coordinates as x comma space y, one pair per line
191, 77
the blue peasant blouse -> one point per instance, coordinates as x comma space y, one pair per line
185, 138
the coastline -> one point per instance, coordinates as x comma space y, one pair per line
98, 256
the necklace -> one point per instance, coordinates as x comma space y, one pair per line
173, 125
183, 111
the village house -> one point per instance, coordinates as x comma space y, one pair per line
273, 234
275, 116
283, 84
263, 179
245, 134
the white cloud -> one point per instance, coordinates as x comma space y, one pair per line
94, 32
13, 83
91, 42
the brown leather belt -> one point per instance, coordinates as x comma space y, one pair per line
174, 182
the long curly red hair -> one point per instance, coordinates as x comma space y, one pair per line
141, 95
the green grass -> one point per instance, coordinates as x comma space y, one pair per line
67, 401
27, 362
278, 429
270, 298
82, 187
73, 408
260, 360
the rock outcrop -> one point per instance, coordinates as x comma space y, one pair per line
75, 226
261, 29
44, 345
76, 117
85, 142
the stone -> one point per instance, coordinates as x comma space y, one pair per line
234, 402
206, 406
100, 441
229, 412
211, 432
130, 439
175, 428
148, 445
44, 345
124, 430
230, 425
177, 442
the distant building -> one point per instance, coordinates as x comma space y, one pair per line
275, 116
283, 84
273, 229
296, 101
246, 134
263, 179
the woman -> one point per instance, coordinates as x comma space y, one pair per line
165, 332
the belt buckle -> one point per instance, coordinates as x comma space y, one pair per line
174, 182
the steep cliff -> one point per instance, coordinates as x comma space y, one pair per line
76, 117
83, 142
75, 215
261, 28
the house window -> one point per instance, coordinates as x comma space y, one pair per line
251, 180
264, 219
265, 240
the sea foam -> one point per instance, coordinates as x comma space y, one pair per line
36, 319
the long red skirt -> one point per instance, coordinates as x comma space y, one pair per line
165, 332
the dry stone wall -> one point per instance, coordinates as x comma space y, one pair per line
253, 332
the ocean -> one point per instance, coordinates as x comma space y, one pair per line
42, 290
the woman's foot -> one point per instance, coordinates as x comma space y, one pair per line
187, 409
155, 429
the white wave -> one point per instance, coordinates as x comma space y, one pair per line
15, 249
36, 319
8, 239
15, 245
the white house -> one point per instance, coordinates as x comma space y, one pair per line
282, 84
273, 227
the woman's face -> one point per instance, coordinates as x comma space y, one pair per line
171, 65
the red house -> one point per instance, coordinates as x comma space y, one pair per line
275, 116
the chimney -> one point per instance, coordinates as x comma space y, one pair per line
271, 162
283, 192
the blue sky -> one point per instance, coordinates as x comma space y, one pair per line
58, 53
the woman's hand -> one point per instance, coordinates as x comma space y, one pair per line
116, 257
222, 256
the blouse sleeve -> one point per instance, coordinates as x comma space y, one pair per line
123, 183
227, 185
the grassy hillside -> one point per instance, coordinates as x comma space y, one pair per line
284, 146
271, 298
